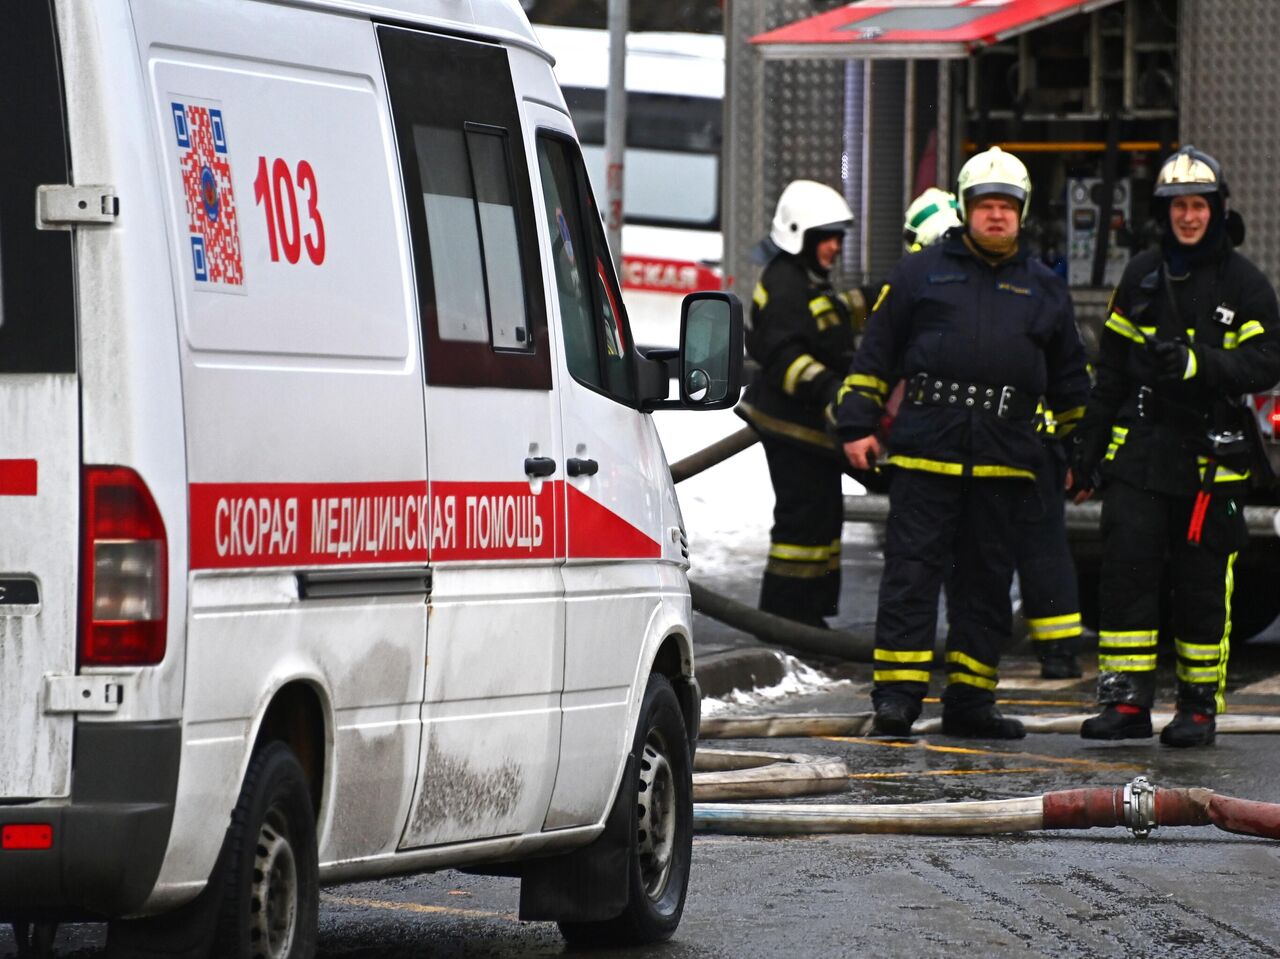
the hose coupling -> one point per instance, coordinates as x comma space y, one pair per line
1140, 807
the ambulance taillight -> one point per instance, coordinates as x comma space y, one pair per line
123, 571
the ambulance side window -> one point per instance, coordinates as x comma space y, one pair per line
470, 207
597, 339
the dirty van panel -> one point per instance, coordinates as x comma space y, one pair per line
39, 443
491, 711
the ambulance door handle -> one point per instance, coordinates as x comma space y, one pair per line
539, 466
579, 467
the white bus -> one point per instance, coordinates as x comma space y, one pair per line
671, 240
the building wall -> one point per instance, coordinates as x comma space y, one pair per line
1229, 98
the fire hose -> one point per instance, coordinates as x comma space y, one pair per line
1137, 806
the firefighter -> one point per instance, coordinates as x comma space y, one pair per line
1191, 326
1042, 555
980, 331
801, 335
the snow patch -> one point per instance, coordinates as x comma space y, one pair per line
798, 679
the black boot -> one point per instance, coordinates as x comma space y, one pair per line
1189, 729
1060, 665
894, 716
980, 722
1118, 721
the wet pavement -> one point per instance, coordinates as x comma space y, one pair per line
1186, 892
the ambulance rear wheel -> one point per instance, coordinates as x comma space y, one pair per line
661, 843
270, 881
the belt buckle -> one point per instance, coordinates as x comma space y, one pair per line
1006, 396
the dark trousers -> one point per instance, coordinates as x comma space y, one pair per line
1046, 572
958, 530
1143, 535
802, 574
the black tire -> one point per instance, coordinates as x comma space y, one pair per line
661, 844
270, 882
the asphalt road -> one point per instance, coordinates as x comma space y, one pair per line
1186, 892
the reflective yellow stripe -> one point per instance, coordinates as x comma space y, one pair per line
971, 680
1197, 674
1190, 371
790, 551
820, 304
884, 291
798, 367
1118, 435
1197, 650
1221, 474
1220, 699
1249, 330
834, 562
760, 296
867, 381
1109, 639
1033, 622
790, 569
998, 471
772, 424
827, 320
969, 663
1230, 341
901, 676
1118, 324
1127, 664
928, 466
1065, 633
903, 655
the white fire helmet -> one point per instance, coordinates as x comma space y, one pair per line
994, 172
807, 205
929, 216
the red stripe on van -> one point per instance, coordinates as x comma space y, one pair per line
596, 532
18, 477
251, 525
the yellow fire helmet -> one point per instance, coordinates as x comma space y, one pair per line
1190, 171
929, 216
994, 172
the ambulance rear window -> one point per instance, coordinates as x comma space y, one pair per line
37, 306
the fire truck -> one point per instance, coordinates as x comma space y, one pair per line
886, 97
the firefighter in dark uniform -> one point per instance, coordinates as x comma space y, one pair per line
980, 331
1191, 326
1042, 555
801, 335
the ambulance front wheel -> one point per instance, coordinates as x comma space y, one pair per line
661, 836
270, 879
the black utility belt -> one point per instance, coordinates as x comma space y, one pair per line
1153, 407
1006, 402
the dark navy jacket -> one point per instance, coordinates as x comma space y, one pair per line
801, 333
1226, 312
951, 314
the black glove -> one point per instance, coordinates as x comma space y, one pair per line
1168, 358
1086, 475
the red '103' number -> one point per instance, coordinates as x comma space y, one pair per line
274, 188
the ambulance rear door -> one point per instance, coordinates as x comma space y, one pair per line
615, 473
39, 410
495, 643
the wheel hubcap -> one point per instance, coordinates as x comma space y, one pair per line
656, 816
274, 894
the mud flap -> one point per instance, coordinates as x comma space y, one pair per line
588, 884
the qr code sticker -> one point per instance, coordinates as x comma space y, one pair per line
212, 221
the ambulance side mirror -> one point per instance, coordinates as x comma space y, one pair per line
708, 364
710, 350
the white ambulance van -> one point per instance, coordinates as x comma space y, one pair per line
671, 239
336, 541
